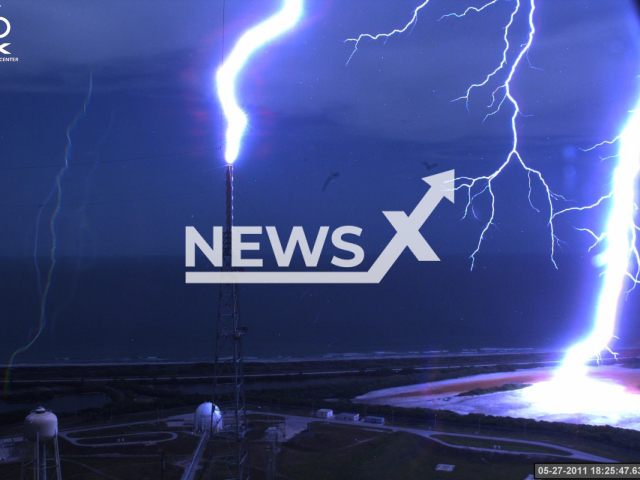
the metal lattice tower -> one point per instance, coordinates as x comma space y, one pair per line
229, 445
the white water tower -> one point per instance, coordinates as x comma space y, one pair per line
40, 441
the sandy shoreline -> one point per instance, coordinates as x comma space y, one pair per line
610, 395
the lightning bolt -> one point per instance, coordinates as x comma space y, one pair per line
620, 233
57, 190
357, 40
620, 252
470, 9
479, 186
226, 76
501, 94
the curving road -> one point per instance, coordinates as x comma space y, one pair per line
295, 424
78, 441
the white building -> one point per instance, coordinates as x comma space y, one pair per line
324, 413
202, 418
348, 417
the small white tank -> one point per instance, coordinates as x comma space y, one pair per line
40, 425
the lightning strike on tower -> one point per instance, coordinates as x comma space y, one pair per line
227, 75
620, 233
57, 190
229, 330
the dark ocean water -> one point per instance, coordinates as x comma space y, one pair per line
136, 307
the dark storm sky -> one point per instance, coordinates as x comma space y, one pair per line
145, 161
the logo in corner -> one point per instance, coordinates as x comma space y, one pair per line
3, 47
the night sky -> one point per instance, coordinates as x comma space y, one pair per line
146, 160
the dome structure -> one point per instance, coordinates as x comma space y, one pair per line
40, 425
202, 418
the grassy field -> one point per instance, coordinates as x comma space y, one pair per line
599, 449
344, 453
10, 471
512, 446
130, 468
132, 437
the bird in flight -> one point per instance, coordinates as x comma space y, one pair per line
430, 166
330, 179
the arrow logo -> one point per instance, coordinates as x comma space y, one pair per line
407, 236
3, 50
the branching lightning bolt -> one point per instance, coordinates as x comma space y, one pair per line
250, 41
357, 40
620, 234
57, 190
484, 184
621, 249
470, 9
412, 23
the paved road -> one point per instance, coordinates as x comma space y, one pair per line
299, 423
197, 457
574, 454
78, 441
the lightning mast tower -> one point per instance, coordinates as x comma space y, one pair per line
231, 449
228, 363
